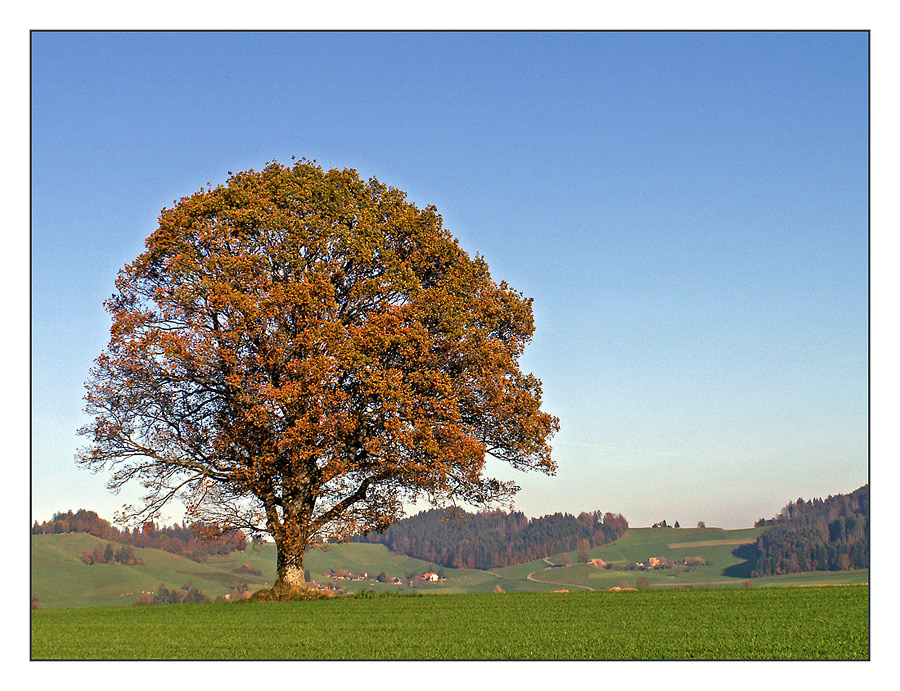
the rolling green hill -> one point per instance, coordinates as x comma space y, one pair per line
61, 580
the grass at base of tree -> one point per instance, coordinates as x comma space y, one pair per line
726, 623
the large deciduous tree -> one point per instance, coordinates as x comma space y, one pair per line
300, 352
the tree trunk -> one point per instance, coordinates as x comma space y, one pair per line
290, 542
289, 568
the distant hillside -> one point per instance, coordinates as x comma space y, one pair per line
196, 541
493, 539
685, 557
817, 535
60, 577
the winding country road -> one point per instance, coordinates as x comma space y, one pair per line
564, 585
535, 580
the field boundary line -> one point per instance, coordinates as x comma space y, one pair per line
711, 543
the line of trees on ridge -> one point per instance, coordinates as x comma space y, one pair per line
817, 535
195, 541
491, 539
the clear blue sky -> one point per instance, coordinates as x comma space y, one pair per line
689, 212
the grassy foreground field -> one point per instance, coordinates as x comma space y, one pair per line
725, 623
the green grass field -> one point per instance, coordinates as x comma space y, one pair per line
722, 623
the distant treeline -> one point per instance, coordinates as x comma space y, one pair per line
817, 535
164, 596
124, 555
196, 541
491, 539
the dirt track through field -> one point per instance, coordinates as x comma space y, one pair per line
564, 585
698, 585
710, 543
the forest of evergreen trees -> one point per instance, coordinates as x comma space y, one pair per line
493, 539
194, 541
817, 535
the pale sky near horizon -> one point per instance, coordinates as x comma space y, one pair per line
689, 212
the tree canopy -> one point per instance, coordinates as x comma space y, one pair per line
300, 352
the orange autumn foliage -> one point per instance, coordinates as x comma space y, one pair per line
300, 352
